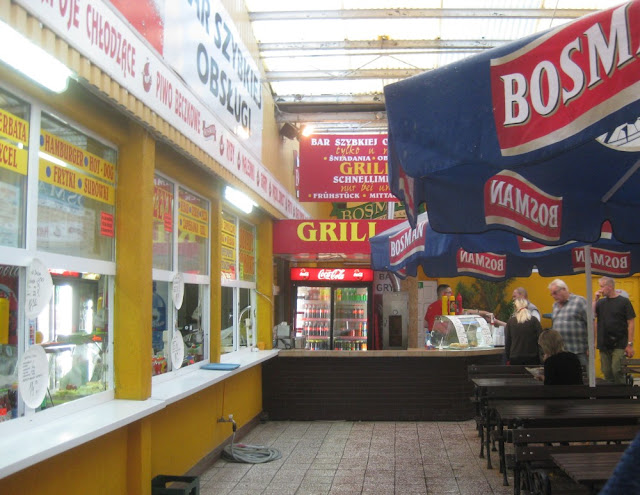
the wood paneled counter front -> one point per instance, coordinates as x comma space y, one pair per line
412, 385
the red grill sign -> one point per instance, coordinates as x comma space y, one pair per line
332, 274
344, 168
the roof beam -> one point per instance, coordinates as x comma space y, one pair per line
303, 118
314, 75
296, 15
265, 48
331, 99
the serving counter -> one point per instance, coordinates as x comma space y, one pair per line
411, 385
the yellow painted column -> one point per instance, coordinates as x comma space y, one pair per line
139, 457
133, 286
264, 282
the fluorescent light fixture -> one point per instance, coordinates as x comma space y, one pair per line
308, 130
239, 199
24, 56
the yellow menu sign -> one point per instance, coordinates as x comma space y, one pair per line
75, 182
13, 158
14, 128
87, 162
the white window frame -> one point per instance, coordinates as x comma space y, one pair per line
159, 275
236, 285
22, 257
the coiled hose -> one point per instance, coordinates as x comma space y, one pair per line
248, 454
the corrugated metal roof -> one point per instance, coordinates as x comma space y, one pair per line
337, 55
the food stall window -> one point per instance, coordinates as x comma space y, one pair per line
72, 236
189, 251
74, 331
163, 224
193, 233
76, 192
238, 277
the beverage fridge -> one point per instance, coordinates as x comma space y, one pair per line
332, 308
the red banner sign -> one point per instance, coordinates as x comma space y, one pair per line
327, 236
332, 274
344, 168
603, 261
489, 264
510, 199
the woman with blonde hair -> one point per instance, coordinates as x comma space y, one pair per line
560, 367
521, 336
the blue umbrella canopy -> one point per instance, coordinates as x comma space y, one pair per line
495, 255
539, 137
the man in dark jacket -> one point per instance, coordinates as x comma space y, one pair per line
615, 330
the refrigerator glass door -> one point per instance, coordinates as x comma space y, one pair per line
313, 317
350, 319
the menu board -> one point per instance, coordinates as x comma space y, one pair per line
228, 240
33, 376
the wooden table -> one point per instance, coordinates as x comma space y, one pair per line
559, 413
481, 387
588, 468
505, 381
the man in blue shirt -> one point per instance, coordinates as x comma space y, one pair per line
570, 319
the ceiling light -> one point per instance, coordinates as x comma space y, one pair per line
239, 199
32, 61
308, 130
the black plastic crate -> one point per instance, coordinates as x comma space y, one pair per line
181, 485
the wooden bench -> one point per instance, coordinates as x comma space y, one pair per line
630, 367
533, 449
488, 370
493, 395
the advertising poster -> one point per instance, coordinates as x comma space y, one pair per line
344, 168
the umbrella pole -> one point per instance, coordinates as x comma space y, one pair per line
590, 330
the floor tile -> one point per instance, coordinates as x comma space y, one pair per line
366, 458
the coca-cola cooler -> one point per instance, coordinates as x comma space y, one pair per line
332, 308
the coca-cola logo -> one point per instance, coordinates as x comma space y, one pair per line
564, 81
336, 274
603, 261
357, 274
510, 199
304, 273
489, 264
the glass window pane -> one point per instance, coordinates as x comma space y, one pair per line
76, 192
245, 318
9, 291
14, 143
228, 240
247, 252
74, 331
227, 319
190, 323
160, 333
162, 224
193, 234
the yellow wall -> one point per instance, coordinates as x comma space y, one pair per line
172, 440
180, 436
539, 294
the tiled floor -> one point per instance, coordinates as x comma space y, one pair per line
345, 457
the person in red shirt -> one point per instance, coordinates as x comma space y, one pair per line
435, 308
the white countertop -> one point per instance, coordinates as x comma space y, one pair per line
195, 380
29, 440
